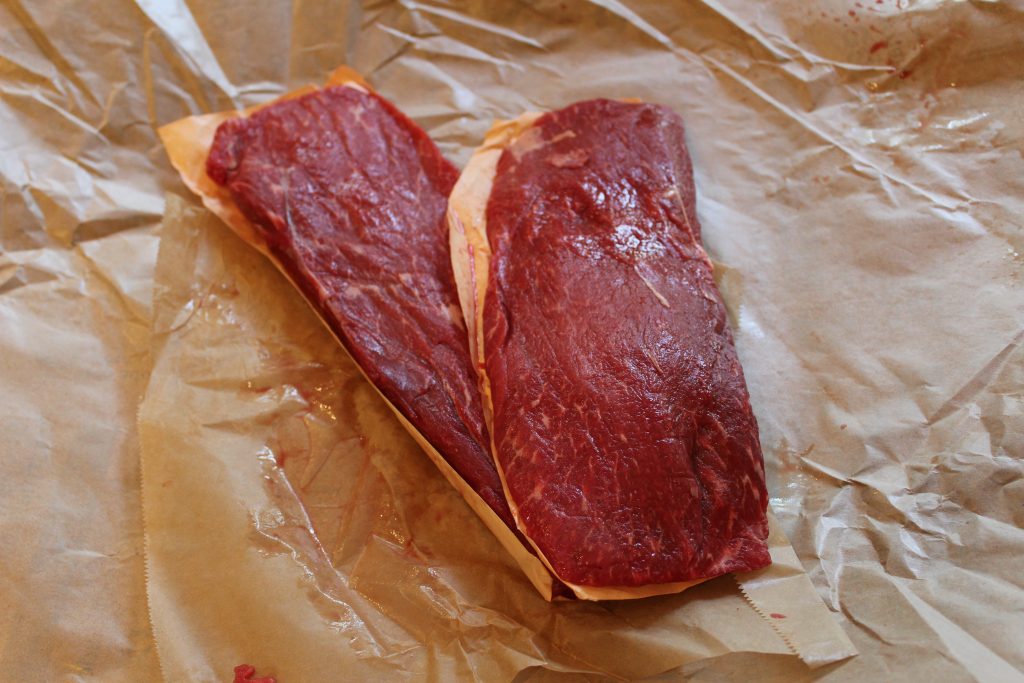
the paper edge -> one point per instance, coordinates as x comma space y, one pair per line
814, 615
144, 504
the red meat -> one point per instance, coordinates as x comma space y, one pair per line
621, 420
350, 196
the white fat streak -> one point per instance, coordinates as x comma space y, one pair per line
650, 286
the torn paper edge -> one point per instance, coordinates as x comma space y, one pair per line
816, 636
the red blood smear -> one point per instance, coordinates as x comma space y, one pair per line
852, 13
776, 615
244, 674
905, 74
878, 46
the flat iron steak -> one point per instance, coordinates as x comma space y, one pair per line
621, 421
350, 196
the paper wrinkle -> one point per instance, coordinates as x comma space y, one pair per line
620, 10
771, 41
41, 41
859, 159
442, 45
467, 20
105, 259
981, 379
962, 645
175, 19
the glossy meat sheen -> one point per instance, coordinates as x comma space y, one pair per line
622, 422
351, 197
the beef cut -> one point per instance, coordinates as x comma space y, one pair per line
349, 196
621, 424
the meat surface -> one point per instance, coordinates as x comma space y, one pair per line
621, 420
350, 196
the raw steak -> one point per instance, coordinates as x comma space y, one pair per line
621, 421
350, 196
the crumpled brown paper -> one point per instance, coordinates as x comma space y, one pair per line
859, 181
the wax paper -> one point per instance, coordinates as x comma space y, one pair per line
859, 183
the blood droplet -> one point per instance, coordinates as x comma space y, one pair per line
244, 674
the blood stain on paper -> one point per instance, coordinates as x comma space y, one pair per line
776, 615
413, 552
244, 674
878, 46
